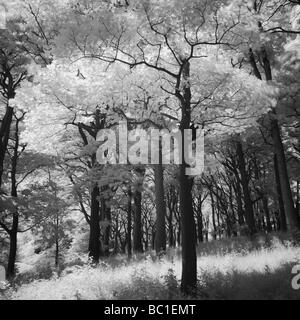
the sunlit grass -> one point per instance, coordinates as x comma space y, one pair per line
230, 273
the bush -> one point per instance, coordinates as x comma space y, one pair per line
44, 271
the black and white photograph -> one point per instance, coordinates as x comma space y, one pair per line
149, 153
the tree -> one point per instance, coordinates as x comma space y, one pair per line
156, 41
137, 224
160, 236
13, 71
264, 51
52, 226
166, 65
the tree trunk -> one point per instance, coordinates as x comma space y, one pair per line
107, 229
213, 215
137, 226
57, 241
106, 218
153, 238
189, 257
116, 236
298, 201
13, 233
4, 137
289, 209
10, 271
267, 212
94, 241
249, 214
160, 237
232, 223
218, 217
171, 203
171, 229
129, 231
282, 219
291, 217
238, 194
200, 226
179, 234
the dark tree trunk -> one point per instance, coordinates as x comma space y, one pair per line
137, 226
274, 224
254, 65
116, 241
260, 220
4, 137
232, 223
289, 209
105, 217
200, 226
146, 241
267, 212
291, 217
238, 193
160, 237
228, 226
95, 246
153, 239
107, 230
9, 85
282, 218
298, 201
13, 233
213, 215
189, 257
171, 203
117, 236
123, 244
57, 241
218, 217
129, 224
94, 241
249, 214
10, 271
263, 223
171, 230
179, 234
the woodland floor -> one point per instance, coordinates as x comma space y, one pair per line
227, 269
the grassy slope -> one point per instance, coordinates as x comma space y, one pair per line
235, 269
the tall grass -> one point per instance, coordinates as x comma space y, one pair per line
237, 269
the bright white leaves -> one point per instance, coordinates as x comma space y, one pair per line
69, 90
293, 43
60, 94
227, 99
85, 27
